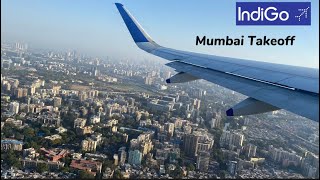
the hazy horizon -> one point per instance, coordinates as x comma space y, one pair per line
96, 28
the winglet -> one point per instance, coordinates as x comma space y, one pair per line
136, 31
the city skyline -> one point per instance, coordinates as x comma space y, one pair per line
65, 116
90, 27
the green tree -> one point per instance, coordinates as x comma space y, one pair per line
180, 161
8, 130
12, 159
117, 174
67, 160
190, 167
65, 169
107, 163
85, 175
177, 172
28, 132
42, 167
222, 174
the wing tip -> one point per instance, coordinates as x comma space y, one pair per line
229, 112
136, 31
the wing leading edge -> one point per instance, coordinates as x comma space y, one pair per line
270, 86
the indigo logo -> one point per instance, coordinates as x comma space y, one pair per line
273, 13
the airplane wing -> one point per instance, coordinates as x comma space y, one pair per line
268, 86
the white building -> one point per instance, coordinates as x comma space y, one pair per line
14, 107
94, 119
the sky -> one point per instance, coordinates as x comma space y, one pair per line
95, 27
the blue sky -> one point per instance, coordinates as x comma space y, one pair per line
95, 27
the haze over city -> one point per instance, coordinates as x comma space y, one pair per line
90, 26
80, 100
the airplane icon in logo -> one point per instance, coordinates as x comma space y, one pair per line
303, 12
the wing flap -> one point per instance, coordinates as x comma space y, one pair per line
261, 74
302, 83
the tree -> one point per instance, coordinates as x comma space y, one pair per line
46, 131
8, 129
67, 160
107, 163
117, 174
11, 158
222, 174
42, 167
177, 173
85, 175
28, 132
65, 169
180, 161
190, 167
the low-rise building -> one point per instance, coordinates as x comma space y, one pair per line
30, 153
79, 122
92, 167
61, 130
84, 130
54, 154
8, 144
53, 137
32, 164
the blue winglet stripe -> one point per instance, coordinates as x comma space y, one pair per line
133, 28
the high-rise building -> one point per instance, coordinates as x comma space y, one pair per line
215, 122
14, 107
79, 122
284, 157
116, 159
149, 80
122, 154
32, 90
196, 142
57, 101
310, 165
169, 127
250, 150
135, 157
197, 103
56, 89
24, 92
21, 92
95, 71
143, 143
7, 87
89, 144
190, 144
83, 96
232, 167
231, 140
203, 159
21, 46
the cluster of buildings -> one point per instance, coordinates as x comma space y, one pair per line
26, 174
172, 127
